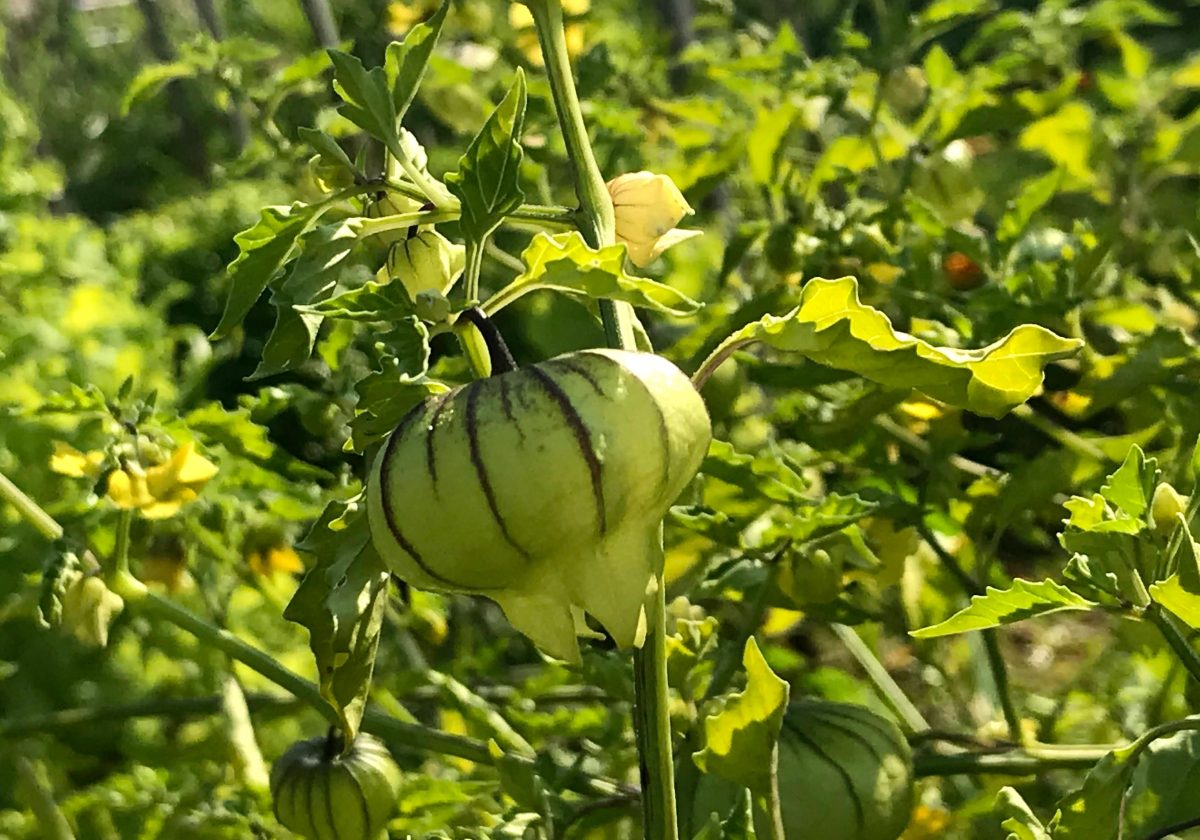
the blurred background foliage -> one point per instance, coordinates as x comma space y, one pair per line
977, 164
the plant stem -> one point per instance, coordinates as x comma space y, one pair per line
1178, 643
29, 510
653, 724
1065, 437
769, 807
1016, 763
991, 642
120, 564
40, 798
889, 691
164, 707
597, 224
597, 221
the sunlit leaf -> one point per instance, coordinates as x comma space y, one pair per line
406, 60
1005, 606
833, 327
1019, 820
566, 263
741, 742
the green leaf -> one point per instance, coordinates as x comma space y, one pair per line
767, 475
741, 742
832, 327
770, 127
1163, 789
341, 602
1180, 593
406, 60
264, 250
385, 396
564, 262
289, 344
488, 178
326, 147
312, 279
1019, 819
150, 80
1093, 812
1006, 606
373, 301
368, 99
1034, 196
1131, 487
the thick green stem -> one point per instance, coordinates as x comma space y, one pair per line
653, 723
597, 221
1178, 643
29, 510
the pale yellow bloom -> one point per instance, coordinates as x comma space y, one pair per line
647, 208
69, 461
159, 491
403, 15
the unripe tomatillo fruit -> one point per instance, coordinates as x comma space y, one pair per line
323, 794
845, 773
544, 489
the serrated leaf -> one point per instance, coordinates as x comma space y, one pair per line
341, 602
1005, 606
265, 248
406, 60
386, 395
1131, 487
367, 99
767, 475
741, 741
289, 344
373, 301
488, 178
311, 280
1020, 821
833, 327
566, 263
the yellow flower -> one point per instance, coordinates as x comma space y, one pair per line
69, 461
647, 207
279, 558
159, 491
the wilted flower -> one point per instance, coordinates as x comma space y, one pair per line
647, 208
159, 491
89, 609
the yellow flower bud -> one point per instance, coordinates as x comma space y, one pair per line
647, 208
1166, 504
89, 609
